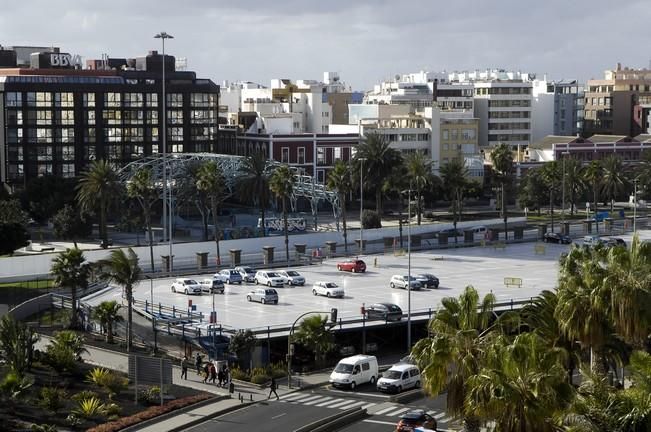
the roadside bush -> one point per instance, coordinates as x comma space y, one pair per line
97, 375
44, 428
370, 219
13, 386
150, 395
277, 370
84, 394
114, 383
239, 374
260, 378
52, 398
90, 408
112, 411
61, 357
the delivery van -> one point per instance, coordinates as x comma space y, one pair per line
353, 371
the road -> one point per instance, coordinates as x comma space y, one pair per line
297, 409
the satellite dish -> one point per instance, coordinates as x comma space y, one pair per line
397, 77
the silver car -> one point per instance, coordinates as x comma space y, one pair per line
263, 295
292, 277
247, 273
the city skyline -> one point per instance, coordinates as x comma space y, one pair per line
365, 42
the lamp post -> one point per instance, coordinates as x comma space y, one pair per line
361, 204
635, 180
162, 36
564, 154
153, 317
409, 271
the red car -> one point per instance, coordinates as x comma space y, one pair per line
354, 265
413, 419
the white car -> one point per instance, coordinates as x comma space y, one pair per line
247, 273
269, 278
399, 377
399, 281
292, 277
212, 285
186, 286
328, 289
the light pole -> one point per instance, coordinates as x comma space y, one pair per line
361, 204
409, 271
635, 180
153, 317
162, 36
564, 154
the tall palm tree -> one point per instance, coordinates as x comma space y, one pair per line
593, 175
188, 194
71, 271
455, 182
98, 187
419, 171
502, 157
210, 180
614, 180
454, 352
143, 188
254, 183
380, 158
521, 386
315, 335
552, 176
339, 179
282, 185
122, 268
108, 313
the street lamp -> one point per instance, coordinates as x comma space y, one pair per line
635, 180
361, 204
564, 154
162, 36
409, 271
153, 317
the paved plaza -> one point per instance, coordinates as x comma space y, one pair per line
482, 267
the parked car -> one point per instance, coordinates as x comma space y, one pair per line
399, 377
384, 311
415, 418
269, 278
292, 277
615, 241
352, 265
400, 281
247, 273
263, 295
552, 237
592, 240
186, 286
328, 289
355, 370
212, 285
428, 280
229, 276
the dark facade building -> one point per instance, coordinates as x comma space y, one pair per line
58, 117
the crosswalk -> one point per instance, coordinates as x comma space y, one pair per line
384, 409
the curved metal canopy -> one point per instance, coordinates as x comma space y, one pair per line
305, 186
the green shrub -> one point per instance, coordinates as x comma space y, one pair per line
259, 371
84, 394
260, 378
90, 408
112, 409
239, 374
114, 383
44, 428
61, 357
97, 376
278, 373
52, 398
13, 386
370, 219
150, 395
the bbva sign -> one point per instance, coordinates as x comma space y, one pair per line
64, 60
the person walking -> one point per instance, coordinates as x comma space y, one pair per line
272, 388
227, 375
197, 363
220, 377
184, 367
213, 373
206, 372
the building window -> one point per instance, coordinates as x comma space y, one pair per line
68, 153
446, 135
134, 134
43, 99
68, 170
112, 99
202, 116
65, 135
199, 133
132, 116
284, 155
133, 100
320, 176
154, 134
320, 156
14, 99
65, 117
174, 100
174, 117
14, 135
64, 100
15, 153
14, 117
89, 153
113, 134
112, 117
152, 117
151, 99
175, 134
468, 134
177, 148
202, 100
301, 155
89, 135
43, 135
89, 100
42, 117
337, 153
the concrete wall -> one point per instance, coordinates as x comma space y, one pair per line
21, 267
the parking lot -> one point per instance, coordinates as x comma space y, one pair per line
483, 267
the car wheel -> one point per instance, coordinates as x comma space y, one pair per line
436, 286
353, 385
417, 385
339, 268
314, 291
276, 302
173, 289
392, 285
372, 380
248, 298
240, 282
263, 301
269, 284
256, 282
399, 389
185, 291
328, 295
354, 270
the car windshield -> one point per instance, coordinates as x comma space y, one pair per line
190, 282
233, 272
330, 285
292, 273
411, 278
394, 308
270, 292
248, 270
344, 368
272, 274
392, 374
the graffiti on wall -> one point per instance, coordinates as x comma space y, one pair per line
276, 224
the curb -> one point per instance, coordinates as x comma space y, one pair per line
168, 415
407, 396
334, 422
211, 416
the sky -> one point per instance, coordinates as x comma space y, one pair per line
365, 41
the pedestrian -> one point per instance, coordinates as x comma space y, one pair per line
197, 363
220, 377
206, 372
272, 388
213, 373
184, 367
227, 375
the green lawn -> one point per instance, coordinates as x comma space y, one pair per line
32, 284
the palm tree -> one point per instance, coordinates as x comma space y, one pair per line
419, 171
143, 188
210, 180
453, 354
97, 188
502, 157
455, 182
379, 159
521, 385
282, 185
188, 194
593, 175
254, 183
614, 180
123, 269
533, 191
339, 179
71, 271
575, 183
552, 175
315, 335
108, 313
241, 344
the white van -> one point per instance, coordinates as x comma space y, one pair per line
355, 370
400, 377
479, 230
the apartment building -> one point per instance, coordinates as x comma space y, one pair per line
618, 104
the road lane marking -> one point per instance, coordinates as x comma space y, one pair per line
309, 398
396, 412
333, 401
321, 399
367, 406
291, 396
352, 405
338, 404
438, 416
379, 422
385, 410
278, 416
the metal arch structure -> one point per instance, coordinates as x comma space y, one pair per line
305, 186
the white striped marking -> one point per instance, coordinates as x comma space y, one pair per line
321, 399
386, 410
332, 401
397, 412
367, 406
379, 422
303, 400
291, 396
338, 404
352, 405
438, 416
